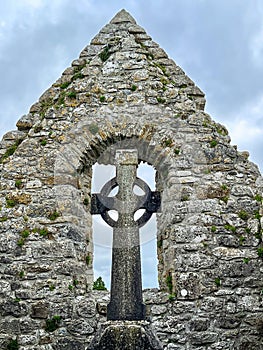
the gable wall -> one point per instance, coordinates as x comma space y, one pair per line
209, 231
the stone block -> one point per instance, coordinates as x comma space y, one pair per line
39, 310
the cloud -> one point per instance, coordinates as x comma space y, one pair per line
33, 3
256, 47
246, 128
243, 130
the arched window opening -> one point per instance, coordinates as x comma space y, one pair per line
102, 232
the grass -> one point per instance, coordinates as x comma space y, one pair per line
45, 105
105, 54
43, 232
10, 203
43, 142
21, 242
21, 274
213, 143
242, 239
225, 199
243, 215
258, 198
260, 252
78, 75
163, 69
231, 228
257, 215
217, 281
25, 233
12, 345
72, 94
65, 84
88, 260
53, 323
11, 150
75, 283
258, 234
53, 216
185, 198
246, 260
52, 287
169, 283
160, 100
61, 99
18, 184
37, 129
172, 297
167, 142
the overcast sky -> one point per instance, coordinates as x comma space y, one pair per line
219, 44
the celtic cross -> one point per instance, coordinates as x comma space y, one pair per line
126, 286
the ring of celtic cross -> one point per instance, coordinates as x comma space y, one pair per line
105, 203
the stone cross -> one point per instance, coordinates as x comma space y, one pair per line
126, 285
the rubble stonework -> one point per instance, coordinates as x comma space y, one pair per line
123, 91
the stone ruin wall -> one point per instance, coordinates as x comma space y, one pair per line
124, 91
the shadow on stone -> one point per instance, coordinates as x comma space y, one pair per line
123, 335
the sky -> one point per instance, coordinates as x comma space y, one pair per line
219, 44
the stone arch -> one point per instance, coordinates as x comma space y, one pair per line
89, 143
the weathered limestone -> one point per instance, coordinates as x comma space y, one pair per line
125, 335
124, 92
126, 286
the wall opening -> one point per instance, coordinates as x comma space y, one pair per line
102, 233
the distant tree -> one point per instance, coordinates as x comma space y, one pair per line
99, 284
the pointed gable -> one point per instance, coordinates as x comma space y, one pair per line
123, 57
124, 92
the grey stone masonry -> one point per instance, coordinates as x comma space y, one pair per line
124, 92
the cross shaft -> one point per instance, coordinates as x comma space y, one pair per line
126, 286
